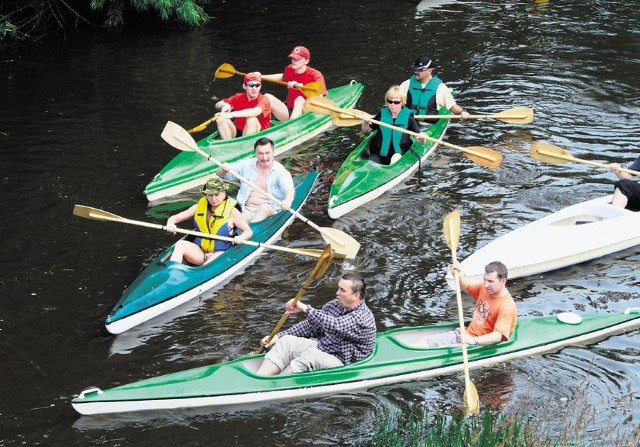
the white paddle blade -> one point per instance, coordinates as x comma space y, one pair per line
178, 137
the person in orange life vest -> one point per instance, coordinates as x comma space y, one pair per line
251, 110
388, 145
297, 73
495, 314
216, 214
426, 93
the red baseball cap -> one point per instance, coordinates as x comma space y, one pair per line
300, 53
253, 76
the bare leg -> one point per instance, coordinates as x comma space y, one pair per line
278, 108
619, 199
252, 126
268, 368
226, 129
189, 251
298, 107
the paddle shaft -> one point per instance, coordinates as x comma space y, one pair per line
469, 387
205, 235
195, 147
203, 126
580, 160
471, 117
265, 78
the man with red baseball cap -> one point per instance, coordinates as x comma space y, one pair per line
297, 73
251, 110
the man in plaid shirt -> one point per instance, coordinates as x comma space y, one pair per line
343, 331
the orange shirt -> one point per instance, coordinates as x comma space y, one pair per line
492, 313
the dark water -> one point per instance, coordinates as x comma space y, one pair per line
80, 123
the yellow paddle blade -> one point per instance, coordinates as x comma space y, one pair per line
347, 119
451, 230
548, 153
225, 71
517, 115
483, 156
320, 104
179, 138
471, 399
93, 213
311, 89
204, 125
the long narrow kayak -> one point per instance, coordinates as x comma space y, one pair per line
574, 234
393, 360
165, 284
189, 169
360, 181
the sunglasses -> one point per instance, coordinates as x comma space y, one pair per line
253, 84
391, 101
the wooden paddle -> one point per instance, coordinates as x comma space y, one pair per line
311, 89
481, 155
343, 244
318, 271
204, 125
451, 228
97, 214
516, 115
548, 153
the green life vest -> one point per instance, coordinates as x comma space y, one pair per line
217, 219
390, 136
423, 99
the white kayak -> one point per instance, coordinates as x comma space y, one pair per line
575, 234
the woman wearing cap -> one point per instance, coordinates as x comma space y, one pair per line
297, 73
216, 214
426, 93
388, 145
251, 110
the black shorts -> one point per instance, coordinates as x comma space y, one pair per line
631, 190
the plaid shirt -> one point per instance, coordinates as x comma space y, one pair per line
348, 334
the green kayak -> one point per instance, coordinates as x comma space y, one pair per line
189, 169
393, 360
360, 181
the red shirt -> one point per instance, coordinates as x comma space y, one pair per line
309, 75
240, 101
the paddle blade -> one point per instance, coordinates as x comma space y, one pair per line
548, 153
344, 246
312, 89
484, 156
451, 229
93, 213
342, 120
320, 104
225, 71
517, 115
323, 263
471, 399
179, 138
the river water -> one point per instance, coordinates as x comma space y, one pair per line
81, 123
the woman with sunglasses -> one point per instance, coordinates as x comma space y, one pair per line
251, 110
388, 145
215, 213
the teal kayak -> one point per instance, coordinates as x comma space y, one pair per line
188, 170
360, 181
393, 360
164, 284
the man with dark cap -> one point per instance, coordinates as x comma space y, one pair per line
426, 93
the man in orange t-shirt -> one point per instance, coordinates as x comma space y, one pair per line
251, 110
494, 317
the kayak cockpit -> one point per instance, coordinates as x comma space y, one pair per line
596, 213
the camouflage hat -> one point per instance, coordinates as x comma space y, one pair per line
213, 186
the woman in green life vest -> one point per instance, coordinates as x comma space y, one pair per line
388, 145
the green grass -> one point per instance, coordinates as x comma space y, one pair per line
579, 425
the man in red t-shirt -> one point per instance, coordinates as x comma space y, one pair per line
251, 110
495, 314
297, 73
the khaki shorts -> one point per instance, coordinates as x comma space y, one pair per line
302, 354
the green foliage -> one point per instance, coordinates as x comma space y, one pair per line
182, 11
